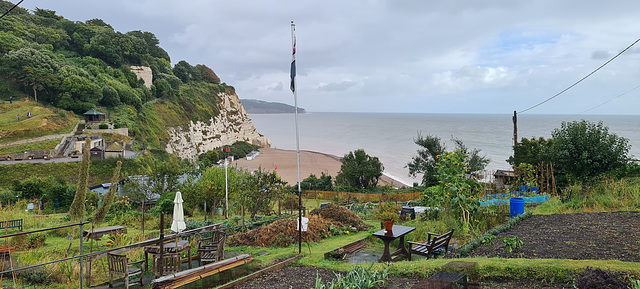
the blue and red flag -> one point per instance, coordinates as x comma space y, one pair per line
293, 67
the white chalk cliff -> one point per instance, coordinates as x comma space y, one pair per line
231, 125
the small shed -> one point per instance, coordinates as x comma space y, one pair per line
96, 153
114, 150
94, 116
504, 178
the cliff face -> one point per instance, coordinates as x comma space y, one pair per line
230, 125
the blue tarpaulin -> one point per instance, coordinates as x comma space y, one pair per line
527, 200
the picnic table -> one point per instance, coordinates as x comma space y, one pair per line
169, 247
97, 233
388, 236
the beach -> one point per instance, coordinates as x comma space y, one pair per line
284, 162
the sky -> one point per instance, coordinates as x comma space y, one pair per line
405, 56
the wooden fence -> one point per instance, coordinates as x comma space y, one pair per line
362, 197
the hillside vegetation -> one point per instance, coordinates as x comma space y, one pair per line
43, 121
73, 66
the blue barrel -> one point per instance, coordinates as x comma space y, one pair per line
535, 190
516, 207
323, 204
524, 189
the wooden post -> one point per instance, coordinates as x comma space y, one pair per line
515, 129
161, 245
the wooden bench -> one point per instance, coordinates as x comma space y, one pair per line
97, 233
11, 224
434, 242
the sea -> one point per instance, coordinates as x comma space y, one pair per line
390, 136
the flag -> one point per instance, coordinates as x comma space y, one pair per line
293, 66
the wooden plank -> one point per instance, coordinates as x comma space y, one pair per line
191, 275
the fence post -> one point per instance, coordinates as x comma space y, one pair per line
81, 253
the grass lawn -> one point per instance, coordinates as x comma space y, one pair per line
43, 121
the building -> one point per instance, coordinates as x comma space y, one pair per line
94, 116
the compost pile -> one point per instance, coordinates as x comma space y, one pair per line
342, 215
283, 233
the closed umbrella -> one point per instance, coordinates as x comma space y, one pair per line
178, 224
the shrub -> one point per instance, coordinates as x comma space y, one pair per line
359, 277
33, 276
103, 126
8, 197
584, 149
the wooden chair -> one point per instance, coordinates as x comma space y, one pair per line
211, 249
428, 248
120, 267
171, 264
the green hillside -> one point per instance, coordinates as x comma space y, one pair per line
73, 66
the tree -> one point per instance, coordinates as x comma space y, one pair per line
324, 183
432, 147
184, 71
425, 161
32, 68
210, 187
531, 151
207, 74
110, 96
584, 149
359, 170
208, 159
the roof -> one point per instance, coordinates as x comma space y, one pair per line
114, 147
93, 112
504, 173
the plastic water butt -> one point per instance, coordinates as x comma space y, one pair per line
516, 207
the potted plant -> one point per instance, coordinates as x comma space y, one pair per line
388, 214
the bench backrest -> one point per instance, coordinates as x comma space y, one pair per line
11, 224
117, 263
441, 241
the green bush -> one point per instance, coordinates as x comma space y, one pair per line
585, 149
359, 277
8, 197
35, 276
103, 126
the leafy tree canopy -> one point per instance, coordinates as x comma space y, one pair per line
431, 147
359, 170
585, 149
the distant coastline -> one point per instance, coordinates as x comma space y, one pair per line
254, 106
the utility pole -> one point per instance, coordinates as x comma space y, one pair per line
515, 129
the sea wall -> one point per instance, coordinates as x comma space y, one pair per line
232, 124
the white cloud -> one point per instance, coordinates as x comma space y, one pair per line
472, 77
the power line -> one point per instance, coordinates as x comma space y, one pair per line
601, 66
14, 6
599, 105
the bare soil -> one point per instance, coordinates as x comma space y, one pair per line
592, 236
580, 236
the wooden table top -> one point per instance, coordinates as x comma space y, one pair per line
396, 232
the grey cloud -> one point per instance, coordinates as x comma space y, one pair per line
336, 86
600, 54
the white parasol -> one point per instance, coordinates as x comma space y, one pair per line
178, 224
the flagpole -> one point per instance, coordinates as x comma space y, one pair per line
294, 88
